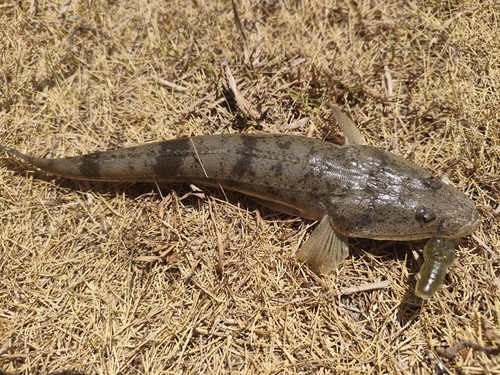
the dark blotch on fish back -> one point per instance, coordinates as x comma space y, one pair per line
432, 183
171, 157
284, 145
244, 163
90, 167
365, 219
313, 152
278, 169
249, 142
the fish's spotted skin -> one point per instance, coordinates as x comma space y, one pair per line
366, 191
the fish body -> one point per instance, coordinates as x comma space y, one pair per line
365, 191
355, 190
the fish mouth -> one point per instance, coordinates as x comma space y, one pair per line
469, 227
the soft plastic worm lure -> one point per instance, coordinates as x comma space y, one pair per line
439, 254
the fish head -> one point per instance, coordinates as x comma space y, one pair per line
391, 198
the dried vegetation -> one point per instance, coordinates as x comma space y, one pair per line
100, 278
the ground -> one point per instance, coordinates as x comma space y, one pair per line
106, 278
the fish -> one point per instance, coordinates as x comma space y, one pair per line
353, 190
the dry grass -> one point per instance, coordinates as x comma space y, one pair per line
109, 279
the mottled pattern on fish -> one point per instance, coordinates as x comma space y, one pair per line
366, 191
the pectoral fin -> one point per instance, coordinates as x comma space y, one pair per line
325, 249
352, 134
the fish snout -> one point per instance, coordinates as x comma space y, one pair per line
461, 228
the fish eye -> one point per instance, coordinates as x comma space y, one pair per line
425, 215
